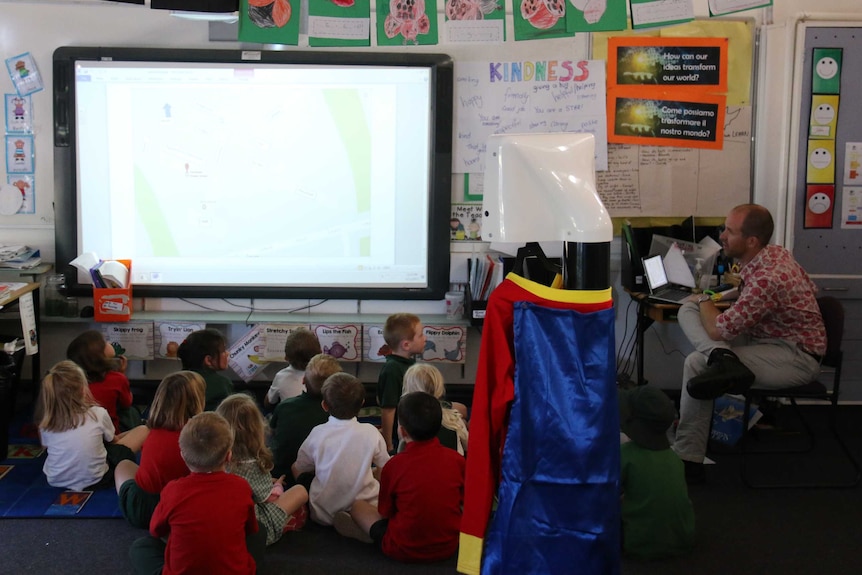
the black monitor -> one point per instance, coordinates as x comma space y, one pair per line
228, 173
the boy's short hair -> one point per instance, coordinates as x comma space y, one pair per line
646, 413
344, 395
301, 345
319, 368
205, 441
420, 414
400, 327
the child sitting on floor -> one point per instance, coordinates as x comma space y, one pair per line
657, 516
205, 352
453, 433
179, 397
301, 345
295, 417
106, 376
421, 491
277, 510
341, 452
206, 517
78, 433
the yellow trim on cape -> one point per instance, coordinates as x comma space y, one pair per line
470, 554
561, 295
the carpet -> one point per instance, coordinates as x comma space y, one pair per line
25, 493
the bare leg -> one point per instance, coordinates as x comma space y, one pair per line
134, 438
365, 515
124, 471
292, 499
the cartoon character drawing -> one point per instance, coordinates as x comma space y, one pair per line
21, 68
456, 229
22, 186
408, 18
336, 350
269, 13
18, 155
18, 109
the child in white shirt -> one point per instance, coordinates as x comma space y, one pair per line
341, 452
301, 345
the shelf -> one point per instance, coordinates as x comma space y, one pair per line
260, 317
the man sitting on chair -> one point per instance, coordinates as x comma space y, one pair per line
773, 333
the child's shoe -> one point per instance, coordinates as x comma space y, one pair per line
346, 526
297, 521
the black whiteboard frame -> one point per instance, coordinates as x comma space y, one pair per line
440, 162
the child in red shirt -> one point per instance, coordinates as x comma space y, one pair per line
179, 397
421, 491
108, 384
206, 516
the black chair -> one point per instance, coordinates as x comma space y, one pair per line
833, 318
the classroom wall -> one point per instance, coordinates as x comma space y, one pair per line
41, 26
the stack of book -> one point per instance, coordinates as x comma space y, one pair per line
19, 257
485, 273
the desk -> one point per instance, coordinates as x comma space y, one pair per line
10, 300
9, 389
650, 311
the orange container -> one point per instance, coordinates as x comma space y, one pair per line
114, 304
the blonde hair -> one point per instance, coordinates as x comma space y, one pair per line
180, 396
249, 430
319, 368
64, 398
205, 442
424, 377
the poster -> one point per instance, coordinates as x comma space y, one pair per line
169, 335
466, 222
689, 120
343, 342
375, 349
136, 338
244, 356
274, 338
498, 97
445, 343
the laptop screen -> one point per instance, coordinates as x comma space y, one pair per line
654, 272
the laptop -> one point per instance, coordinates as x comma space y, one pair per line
660, 288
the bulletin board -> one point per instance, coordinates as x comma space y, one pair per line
826, 181
648, 181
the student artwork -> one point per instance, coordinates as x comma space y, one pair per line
136, 339
19, 154
597, 15
655, 13
723, 7
445, 343
169, 336
19, 114
403, 22
269, 22
24, 74
540, 19
475, 20
274, 338
339, 23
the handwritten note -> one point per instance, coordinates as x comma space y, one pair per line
529, 96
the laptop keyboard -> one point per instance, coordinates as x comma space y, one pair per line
673, 294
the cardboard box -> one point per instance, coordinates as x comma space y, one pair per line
114, 304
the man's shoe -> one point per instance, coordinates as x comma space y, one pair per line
695, 473
725, 373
